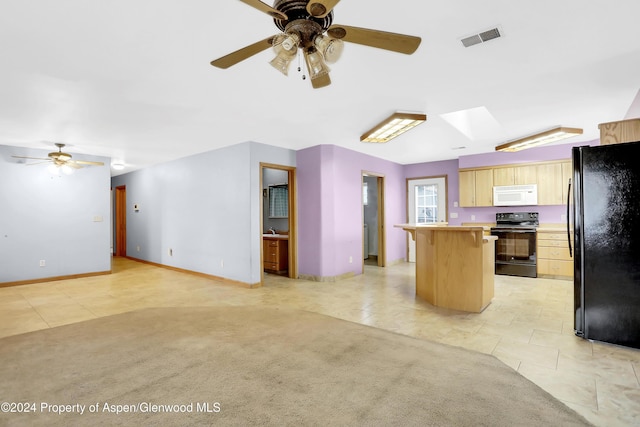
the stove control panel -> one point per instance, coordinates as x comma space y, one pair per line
517, 216
517, 219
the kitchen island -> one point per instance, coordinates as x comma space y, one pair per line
455, 265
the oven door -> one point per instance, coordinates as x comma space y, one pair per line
515, 252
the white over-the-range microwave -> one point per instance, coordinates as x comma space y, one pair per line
515, 195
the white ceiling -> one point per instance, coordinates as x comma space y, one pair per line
131, 80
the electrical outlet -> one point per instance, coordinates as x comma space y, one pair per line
138, 248
350, 260
454, 215
563, 217
473, 217
455, 204
43, 263
221, 263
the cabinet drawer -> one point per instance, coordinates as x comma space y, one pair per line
553, 243
272, 243
271, 255
552, 236
555, 267
554, 253
270, 266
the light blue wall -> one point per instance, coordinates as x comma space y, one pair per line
54, 219
204, 208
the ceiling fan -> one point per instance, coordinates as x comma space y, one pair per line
60, 159
307, 25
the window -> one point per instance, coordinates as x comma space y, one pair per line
426, 198
365, 193
278, 201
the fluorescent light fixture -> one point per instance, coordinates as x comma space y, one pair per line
117, 166
394, 125
538, 139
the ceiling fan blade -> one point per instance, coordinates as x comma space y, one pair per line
30, 158
380, 39
321, 8
72, 163
263, 7
321, 81
242, 54
85, 162
38, 163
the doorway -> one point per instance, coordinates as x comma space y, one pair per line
121, 221
426, 203
278, 207
373, 231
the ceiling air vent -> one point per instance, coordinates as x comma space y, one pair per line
482, 37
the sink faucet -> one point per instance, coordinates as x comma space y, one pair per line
272, 230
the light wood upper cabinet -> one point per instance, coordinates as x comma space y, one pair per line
550, 188
503, 176
467, 187
525, 175
476, 187
516, 175
484, 187
619, 132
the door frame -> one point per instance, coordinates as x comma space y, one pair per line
382, 248
446, 205
292, 220
121, 221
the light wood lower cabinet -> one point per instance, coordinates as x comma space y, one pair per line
455, 266
553, 255
275, 255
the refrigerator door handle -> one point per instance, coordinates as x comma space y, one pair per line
568, 218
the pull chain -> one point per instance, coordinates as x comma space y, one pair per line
304, 77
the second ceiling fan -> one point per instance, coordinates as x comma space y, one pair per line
307, 25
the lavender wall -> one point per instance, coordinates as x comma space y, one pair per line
540, 154
330, 209
448, 168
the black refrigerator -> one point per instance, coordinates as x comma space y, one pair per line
606, 231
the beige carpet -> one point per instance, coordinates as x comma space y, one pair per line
258, 366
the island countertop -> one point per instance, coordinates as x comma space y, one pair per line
439, 226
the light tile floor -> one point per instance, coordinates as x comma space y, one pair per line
529, 324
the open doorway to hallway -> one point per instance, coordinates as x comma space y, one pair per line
278, 223
373, 231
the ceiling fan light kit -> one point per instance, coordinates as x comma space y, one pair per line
542, 138
286, 51
393, 126
307, 25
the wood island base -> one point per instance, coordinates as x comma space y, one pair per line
455, 266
